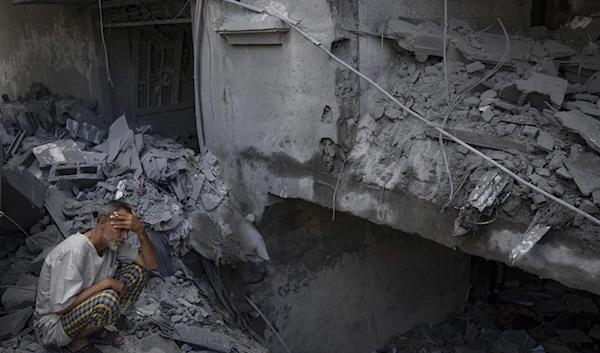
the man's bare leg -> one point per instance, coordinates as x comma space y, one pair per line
82, 339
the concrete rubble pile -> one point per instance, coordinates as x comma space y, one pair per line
67, 162
526, 315
538, 116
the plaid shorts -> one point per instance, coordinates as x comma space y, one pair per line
103, 308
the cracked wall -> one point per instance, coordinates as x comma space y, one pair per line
52, 44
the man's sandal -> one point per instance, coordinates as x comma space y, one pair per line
89, 348
106, 338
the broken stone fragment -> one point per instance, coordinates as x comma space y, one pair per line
530, 131
15, 298
487, 115
563, 173
588, 207
559, 190
393, 113
471, 101
510, 129
538, 199
539, 51
474, 114
535, 178
211, 201
540, 88
474, 67
545, 141
12, 324
582, 124
585, 170
431, 71
557, 50
489, 94
209, 174
543, 172
596, 197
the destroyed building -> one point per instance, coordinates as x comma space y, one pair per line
317, 176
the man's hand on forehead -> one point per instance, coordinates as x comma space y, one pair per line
128, 221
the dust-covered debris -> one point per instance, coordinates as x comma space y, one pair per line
533, 110
81, 163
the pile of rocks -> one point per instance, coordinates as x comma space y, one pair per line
66, 161
534, 116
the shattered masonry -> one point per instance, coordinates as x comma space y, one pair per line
179, 195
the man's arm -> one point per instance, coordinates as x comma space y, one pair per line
147, 256
107, 283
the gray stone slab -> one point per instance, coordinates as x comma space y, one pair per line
156, 341
583, 125
27, 184
204, 338
585, 171
84, 115
12, 324
60, 151
474, 67
553, 87
545, 141
16, 298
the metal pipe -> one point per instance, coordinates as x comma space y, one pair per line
198, 24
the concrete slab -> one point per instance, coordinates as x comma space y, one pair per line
554, 88
585, 171
156, 341
204, 338
557, 50
474, 67
12, 324
15, 298
545, 141
60, 151
582, 124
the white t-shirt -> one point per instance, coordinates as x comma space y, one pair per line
69, 268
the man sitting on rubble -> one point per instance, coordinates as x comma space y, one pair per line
88, 278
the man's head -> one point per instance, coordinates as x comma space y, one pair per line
113, 237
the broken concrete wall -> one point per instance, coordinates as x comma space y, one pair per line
348, 285
268, 99
269, 110
478, 14
52, 44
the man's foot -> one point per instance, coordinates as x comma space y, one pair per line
106, 337
81, 346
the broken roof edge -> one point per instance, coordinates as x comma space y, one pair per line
560, 255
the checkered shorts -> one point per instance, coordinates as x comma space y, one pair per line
103, 308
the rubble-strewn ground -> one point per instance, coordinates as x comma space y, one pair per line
67, 162
527, 315
166, 306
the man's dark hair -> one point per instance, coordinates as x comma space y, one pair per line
113, 206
